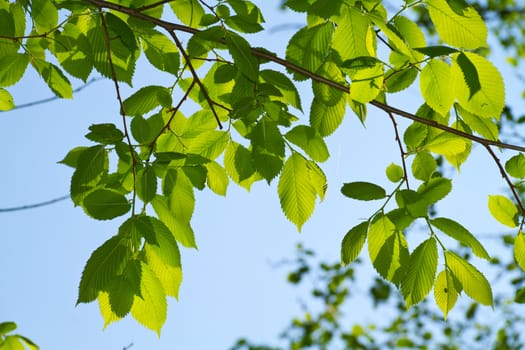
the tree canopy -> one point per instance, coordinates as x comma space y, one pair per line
147, 163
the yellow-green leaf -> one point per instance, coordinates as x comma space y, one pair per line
434, 83
519, 249
503, 210
420, 273
296, 193
445, 292
6, 100
353, 242
472, 281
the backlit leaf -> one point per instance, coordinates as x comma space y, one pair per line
189, 12
515, 166
350, 35
6, 100
435, 189
420, 273
472, 281
150, 310
503, 210
423, 166
445, 292
435, 86
394, 172
146, 184
240, 50
326, 119
45, 15
54, 78
310, 141
519, 249
466, 30
12, 68
296, 193
146, 99
353, 242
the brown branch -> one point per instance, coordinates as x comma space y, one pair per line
401, 150
507, 179
122, 109
155, 4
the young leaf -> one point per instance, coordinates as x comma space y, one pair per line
503, 210
353, 242
216, 178
161, 52
105, 204
296, 193
460, 234
515, 166
104, 264
54, 78
91, 166
289, 93
310, 141
104, 306
150, 310
364, 191
445, 292
486, 127
6, 100
447, 144
175, 221
120, 296
420, 273
12, 68
467, 30
394, 172
45, 15
519, 249
238, 163
7, 327
412, 201
472, 281
423, 166
434, 83
190, 12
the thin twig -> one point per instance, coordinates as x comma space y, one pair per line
150, 6
196, 77
401, 150
49, 99
122, 109
507, 179
32, 206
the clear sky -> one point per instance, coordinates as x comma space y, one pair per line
230, 287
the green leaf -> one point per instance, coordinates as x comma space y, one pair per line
72, 50
420, 273
266, 135
399, 80
503, 210
107, 134
104, 305
472, 281
436, 51
447, 144
515, 166
146, 99
54, 78
6, 100
92, 165
45, 15
150, 310
466, 30
161, 52
445, 292
174, 219
364, 191
519, 249
12, 68
367, 83
325, 118
310, 141
189, 12
120, 296
104, 264
164, 258
520, 296
105, 204
241, 52
296, 192
470, 74
489, 100
268, 165
216, 178
460, 234
423, 166
394, 172
289, 93
388, 249
238, 164
415, 134
309, 47
435, 189
146, 184
434, 83
353, 242
350, 36
486, 127
412, 201
7, 327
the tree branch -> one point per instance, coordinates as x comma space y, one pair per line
35, 205
401, 150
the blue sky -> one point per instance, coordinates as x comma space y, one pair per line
230, 287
